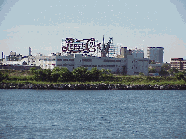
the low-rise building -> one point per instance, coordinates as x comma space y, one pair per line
156, 66
128, 65
178, 63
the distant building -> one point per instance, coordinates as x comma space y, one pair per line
112, 50
155, 54
178, 63
128, 65
138, 53
30, 51
13, 57
81, 46
156, 66
124, 52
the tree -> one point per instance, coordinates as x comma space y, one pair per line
33, 69
173, 71
163, 72
105, 74
80, 74
94, 74
55, 74
165, 66
152, 70
179, 75
42, 75
141, 74
65, 75
61, 74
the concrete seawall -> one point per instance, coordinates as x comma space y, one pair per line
91, 86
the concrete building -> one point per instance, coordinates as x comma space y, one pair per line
178, 63
138, 53
112, 50
13, 57
155, 54
128, 65
124, 52
156, 66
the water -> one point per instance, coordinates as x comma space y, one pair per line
92, 114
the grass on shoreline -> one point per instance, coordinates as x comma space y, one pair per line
25, 77
130, 81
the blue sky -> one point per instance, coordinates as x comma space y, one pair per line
41, 24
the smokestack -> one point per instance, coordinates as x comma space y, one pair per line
103, 39
2, 55
29, 52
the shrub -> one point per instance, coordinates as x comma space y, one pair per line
152, 70
141, 74
61, 74
81, 74
94, 74
180, 75
105, 75
42, 75
3, 76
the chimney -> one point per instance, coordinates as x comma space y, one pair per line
29, 52
2, 55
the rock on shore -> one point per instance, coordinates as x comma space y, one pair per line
91, 86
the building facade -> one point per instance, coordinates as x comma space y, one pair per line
13, 57
155, 54
178, 63
138, 53
129, 65
81, 46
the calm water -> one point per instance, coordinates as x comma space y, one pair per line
92, 114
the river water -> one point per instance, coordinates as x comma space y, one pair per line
92, 114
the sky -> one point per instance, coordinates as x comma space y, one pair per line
132, 23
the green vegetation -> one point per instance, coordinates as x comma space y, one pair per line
82, 75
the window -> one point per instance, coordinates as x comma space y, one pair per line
132, 67
118, 60
87, 60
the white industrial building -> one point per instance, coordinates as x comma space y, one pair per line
85, 53
129, 64
155, 54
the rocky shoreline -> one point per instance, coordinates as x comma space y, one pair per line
91, 86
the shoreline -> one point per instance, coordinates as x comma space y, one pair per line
90, 86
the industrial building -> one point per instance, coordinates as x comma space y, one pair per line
14, 59
178, 63
87, 53
128, 65
80, 46
155, 54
